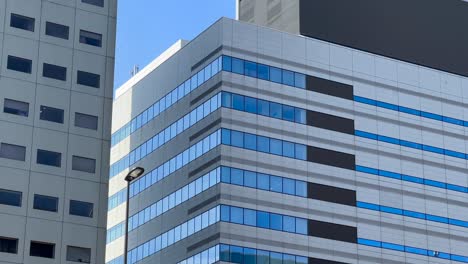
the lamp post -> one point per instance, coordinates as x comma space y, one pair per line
132, 175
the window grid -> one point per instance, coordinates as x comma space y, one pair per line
115, 232
117, 199
208, 256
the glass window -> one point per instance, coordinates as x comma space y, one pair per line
88, 79
226, 174
288, 113
276, 222
225, 213
288, 149
289, 224
51, 114
237, 139
289, 186
301, 152
288, 77
11, 198
237, 177
54, 72
263, 72
57, 30
301, 188
276, 110
80, 208
275, 75
224, 252
263, 219
86, 121
45, 203
78, 254
90, 38
226, 100
276, 184
276, 258
238, 102
14, 152
237, 215
99, 3
299, 80
263, 257
250, 179
300, 116
263, 181
301, 226
9, 245
250, 141
276, 146
250, 256
19, 64
22, 22
237, 66
42, 249
289, 259
251, 105
250, 217
227, 63
263, 107
49, 158
301, 260
263, 144
236, 254
83, 164
250, 69
15, 107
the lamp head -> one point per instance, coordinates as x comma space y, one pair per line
134, 173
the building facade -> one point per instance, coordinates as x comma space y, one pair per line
263, 146
56, 80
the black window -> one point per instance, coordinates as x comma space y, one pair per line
45, 203
331, 158
19, 64
12, 198
78, 254
57, 30
14, 152
49, 158
54, 72
42, 249
94, 2
15, 107
51, 114
80, 208
9, 245
331, 194
329, 87
90, 38
22, 22
89, 79
332, 231
331, 122
86, 121
83, 164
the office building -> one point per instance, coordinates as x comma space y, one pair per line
56, 79
338, 138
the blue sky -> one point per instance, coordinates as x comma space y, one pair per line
145, 28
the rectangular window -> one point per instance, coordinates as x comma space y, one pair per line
45, 203
11, 198
51, 114
42, 250
86, 121
331, 194
14, 152
9, 245
54, 72
49, 158
81, 208
90, 38
99, 3
78, 254
332, 231
88, 79
57, 30
15, 107
84, 164
22, 22
329, 87
19, 64
330, 122
331, 158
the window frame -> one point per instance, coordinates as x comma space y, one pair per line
25, 19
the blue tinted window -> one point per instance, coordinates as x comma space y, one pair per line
276, 110
263, 219
237, 66
288, 113
275, 74
250, 256
263, 108
250, 141
288, 77
227, 63
289, 224
276, 146
251, 105
263, 257
301, 152
276, 184
263, 72
300, 116
301, 188
263, 144
250, 179
289, 259
224, 254
288, 149
237, 215
263, 181
250, 217
276, 258
301, 260
299, 80
238, 102
226, 137
237, 176
237, 139
301, 226
276, 222
289, 186
250, 69
236, 254
225, 213
226, 100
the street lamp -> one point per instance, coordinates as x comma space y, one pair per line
132, 175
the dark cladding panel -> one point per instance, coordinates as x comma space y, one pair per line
330, 122
331, 194
431, 33
331, 158
333, 231
323, 261
329, 87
